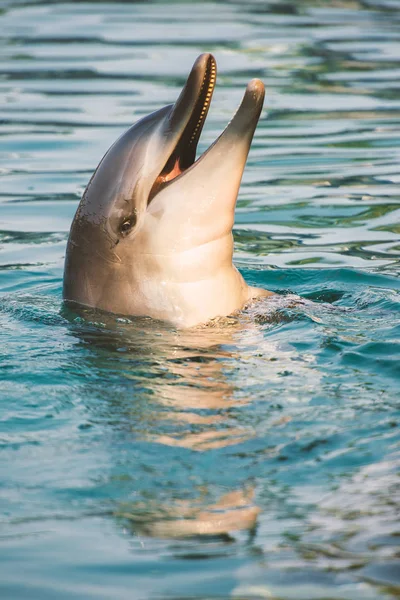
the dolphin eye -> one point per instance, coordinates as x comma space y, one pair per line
128, 223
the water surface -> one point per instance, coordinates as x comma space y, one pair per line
256, 457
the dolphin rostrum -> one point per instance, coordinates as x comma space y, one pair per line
152, 235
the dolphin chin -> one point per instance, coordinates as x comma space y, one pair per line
152, 235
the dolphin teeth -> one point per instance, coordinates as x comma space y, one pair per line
209, 79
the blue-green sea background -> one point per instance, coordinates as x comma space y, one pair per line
256, 459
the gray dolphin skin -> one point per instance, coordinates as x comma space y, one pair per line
152, 235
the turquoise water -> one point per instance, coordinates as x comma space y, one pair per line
256, 458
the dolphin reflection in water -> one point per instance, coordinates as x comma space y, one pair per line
179, 395
152, 235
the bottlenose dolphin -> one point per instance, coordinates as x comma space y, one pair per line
152, 235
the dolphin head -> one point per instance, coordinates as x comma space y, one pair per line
154, 222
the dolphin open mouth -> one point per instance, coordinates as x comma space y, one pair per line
196, 95
187, 119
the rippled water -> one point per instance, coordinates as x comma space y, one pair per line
256, 457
